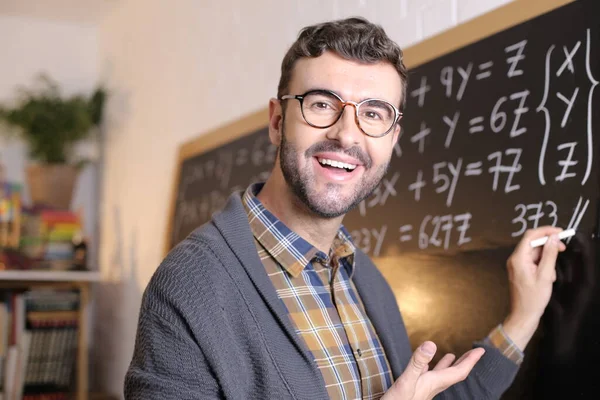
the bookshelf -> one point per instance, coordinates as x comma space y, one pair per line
72, 280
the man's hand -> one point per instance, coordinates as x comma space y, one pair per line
531, 273
418, 383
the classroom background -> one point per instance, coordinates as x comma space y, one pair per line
151, 75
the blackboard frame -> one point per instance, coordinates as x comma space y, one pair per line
462, 35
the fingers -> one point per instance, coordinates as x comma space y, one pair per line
445, 362
463, 357
405, 386
472, 355
418, 362
416, 379
542, 231
460, 370
525, 253
547, 265
537, 233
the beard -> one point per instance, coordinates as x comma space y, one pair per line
333, 203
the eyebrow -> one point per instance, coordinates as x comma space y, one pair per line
333, 91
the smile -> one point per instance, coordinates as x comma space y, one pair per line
337, 164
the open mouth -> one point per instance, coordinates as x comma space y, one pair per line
336, 165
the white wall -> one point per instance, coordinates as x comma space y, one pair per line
178, 71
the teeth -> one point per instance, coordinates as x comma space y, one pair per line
337, 164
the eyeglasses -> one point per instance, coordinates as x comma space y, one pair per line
323, 108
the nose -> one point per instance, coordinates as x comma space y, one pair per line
346, 130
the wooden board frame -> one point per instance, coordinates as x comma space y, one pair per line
462, 35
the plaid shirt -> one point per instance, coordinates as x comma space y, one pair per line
507, 347
325, 309
323, 305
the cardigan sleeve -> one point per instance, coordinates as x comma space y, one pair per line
167, 364
489, 379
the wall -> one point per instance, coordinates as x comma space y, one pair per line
175, 73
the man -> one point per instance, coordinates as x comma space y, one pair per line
271, 300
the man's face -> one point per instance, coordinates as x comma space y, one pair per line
307, 152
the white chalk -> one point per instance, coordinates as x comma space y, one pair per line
563, 235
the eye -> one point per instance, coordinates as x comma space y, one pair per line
321, 105
372, 115
321, 102
376, 111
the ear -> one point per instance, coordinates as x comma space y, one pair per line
396, 133
275, 121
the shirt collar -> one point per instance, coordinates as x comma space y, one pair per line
285, 246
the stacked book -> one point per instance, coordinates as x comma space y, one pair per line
10, 209
38, 344
49, 238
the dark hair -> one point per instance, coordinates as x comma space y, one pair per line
351, 38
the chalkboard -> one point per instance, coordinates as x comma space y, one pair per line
500, 134
207, 179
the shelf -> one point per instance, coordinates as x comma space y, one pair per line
50, 276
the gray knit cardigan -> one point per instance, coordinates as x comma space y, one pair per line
212, 327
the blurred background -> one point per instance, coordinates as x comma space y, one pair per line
96, 96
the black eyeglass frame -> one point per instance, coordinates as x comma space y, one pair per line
398, 114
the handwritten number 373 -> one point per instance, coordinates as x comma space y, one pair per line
536, 216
